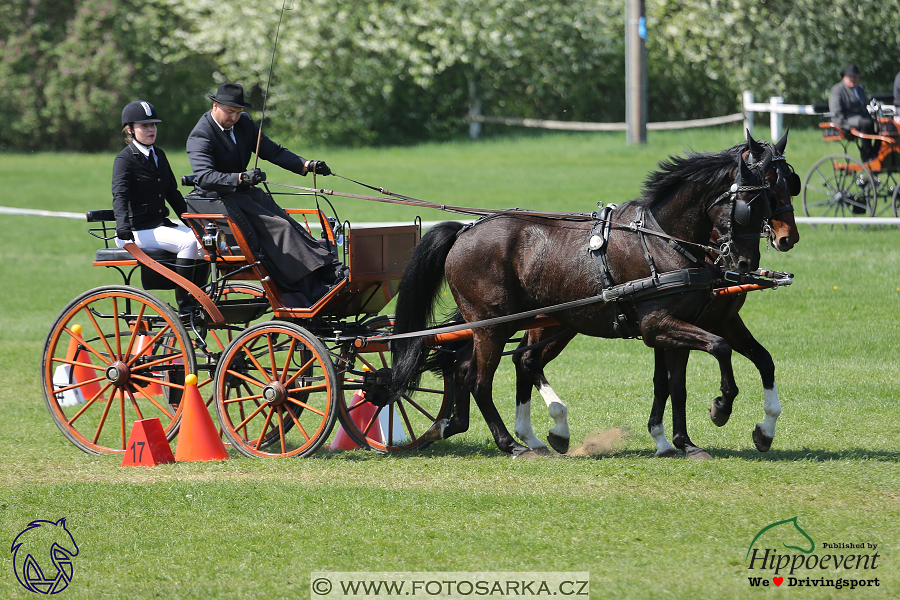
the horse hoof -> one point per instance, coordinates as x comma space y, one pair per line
719, 413
695, 453
667, 453
761, 440
523, 452
558, 443
436, 431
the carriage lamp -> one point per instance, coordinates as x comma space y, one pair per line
213, 238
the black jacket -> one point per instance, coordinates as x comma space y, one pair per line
217, 162
140, 191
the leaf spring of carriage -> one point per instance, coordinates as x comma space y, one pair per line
278, 377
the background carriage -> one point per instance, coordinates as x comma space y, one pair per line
841, 185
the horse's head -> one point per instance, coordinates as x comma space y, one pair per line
738, 215
785, 183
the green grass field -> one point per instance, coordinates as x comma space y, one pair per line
643, 527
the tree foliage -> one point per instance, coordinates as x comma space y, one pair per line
379, 71
67, 69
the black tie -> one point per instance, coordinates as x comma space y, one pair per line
230, 133
152, 160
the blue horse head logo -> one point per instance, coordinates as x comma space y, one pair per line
40, 545
788, 532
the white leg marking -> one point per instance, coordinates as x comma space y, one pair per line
523, 429
559, 412
772, 409
658, 433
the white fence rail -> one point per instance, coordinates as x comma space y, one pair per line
775, 107
6, 210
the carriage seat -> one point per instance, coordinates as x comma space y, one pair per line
121, 254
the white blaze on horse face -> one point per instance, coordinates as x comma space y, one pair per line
658, 433
523, 429
772, 408
559, 412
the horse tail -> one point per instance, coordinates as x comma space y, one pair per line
416, 302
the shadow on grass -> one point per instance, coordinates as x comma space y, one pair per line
808, 454
449, 448
442, 449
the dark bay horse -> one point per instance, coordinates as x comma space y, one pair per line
515, 262
720, 317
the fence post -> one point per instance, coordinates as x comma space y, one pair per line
776, 118
748, 114
474, 110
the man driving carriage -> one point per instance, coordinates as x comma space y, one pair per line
847, 103
220, 148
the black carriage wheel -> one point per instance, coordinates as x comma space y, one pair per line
402, 424
895, 201
111, 358
839, 186
885, 186
271, 374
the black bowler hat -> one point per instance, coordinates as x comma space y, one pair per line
230, 94
851, 71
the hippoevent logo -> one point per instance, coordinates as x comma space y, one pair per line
770, 558
42, 556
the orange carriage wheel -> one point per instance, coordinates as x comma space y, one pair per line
839, 186
276, 386
400, 425
114, 355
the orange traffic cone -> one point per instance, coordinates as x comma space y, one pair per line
361, 417
147, 445
198, 439
81, 374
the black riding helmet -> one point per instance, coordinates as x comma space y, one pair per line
139, 111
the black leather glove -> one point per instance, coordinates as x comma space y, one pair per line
252, 177
124, 234
318, 167
168, 223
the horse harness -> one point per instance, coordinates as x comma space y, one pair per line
671, 282
657, 284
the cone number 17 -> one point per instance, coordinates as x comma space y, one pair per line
135, 457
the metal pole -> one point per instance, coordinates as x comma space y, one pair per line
635, 72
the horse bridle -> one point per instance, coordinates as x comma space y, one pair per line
740, 214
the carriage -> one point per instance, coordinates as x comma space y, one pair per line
278, 376
841, 185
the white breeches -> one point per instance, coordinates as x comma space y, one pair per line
178, 240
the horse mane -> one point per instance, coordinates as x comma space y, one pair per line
706, 169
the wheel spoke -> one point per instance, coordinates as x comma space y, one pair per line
134, 331
265, 428
134, 404
306, 406
154, 402
259, 367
